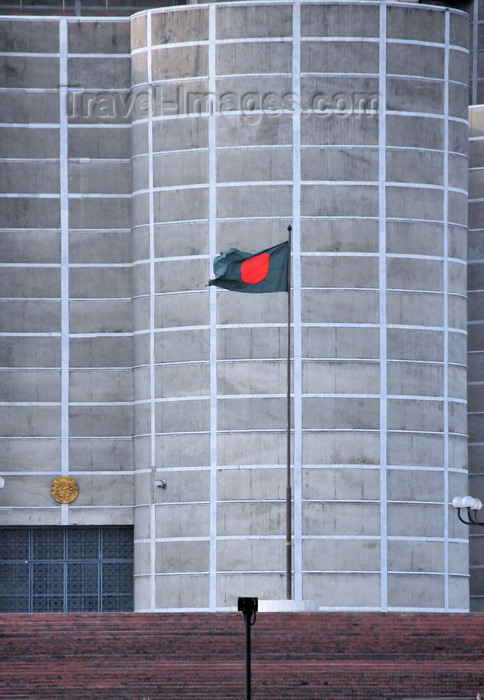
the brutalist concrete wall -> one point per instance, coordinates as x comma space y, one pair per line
475, 343
65, 253
348, 121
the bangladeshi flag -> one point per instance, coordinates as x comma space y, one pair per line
266, 271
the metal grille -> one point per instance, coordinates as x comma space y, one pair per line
66, 569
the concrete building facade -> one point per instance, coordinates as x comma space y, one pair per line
133, 151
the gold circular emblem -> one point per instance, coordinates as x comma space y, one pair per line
64, 489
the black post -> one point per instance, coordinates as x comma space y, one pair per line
288, 434
248, 607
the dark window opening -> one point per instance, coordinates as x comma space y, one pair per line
66, 569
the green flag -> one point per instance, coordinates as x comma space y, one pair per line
261, 272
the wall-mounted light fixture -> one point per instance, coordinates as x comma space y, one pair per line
469, 504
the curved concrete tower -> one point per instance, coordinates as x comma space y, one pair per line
349, 122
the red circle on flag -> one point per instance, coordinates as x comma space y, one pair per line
254, 269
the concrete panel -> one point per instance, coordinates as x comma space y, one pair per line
425, 61
266, 132
99, 212
180, 346
100, 385
182, 520
30, 352
459, 593
410, 344
184, 591
179, 62
251, 484
340, 56
265, 586
29, 177
420, 132
415, 308
341, 519
332, 271
99, 37
413, 557
357, 414
340, 306
27, 142
252, 414
181, 275
457, 278
458, 557
21, 105
179, 169
28, 491
253, 58
333, 20
253, 21
30, 316
106, 491
251, 555
30, 282
30, 37
344, 235
415, 485
335, 130
419, 520
103, 141
177, 416
458, 100
340, 200
341, 377
415, 167
251, 448
415, 23
183, 450
270, 164
458, 311
182, 380
350, 484
26, 212
100, 516
30, 385
339, 164
28, 454
182, 557
415, 449
189, 24
36, 516
260, 200
415, 591
100, 282
29, 72
172, 205
340, 342
251, 343
100, 246
101, 421
101, 352
413, 202
341, 447
244, 308
352, 590
251, 377
187, 238
100, 316
342, 555
411, 414
34, 421
251, 518
100, 177
183, 486
104, 454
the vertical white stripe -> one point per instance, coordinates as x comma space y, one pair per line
475, 50
152, 325
212, 177
383, 310
296, 306
64, 251
446, 309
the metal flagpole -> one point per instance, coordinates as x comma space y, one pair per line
288, 463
